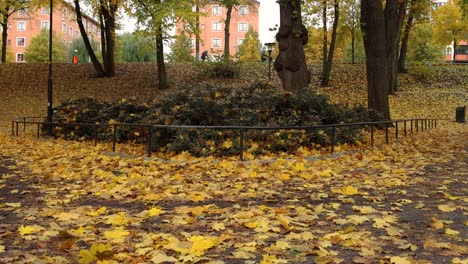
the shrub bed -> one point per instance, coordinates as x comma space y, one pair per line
255, 105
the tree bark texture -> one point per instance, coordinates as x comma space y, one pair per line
325, 37
394, 15
227, 25
328, 65
373, 29
162, 76
97, 65
4, 39
197, 33
292, 36
108, 13
404, 41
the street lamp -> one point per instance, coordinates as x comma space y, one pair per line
49, 83
269, 49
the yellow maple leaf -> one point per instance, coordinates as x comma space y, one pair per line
155, 211
2, 248
161, 257
399, 260
227, 144
27, 230
326, 173
218, 226
446, 208
283, 221
201, 244
63, 216
451, 232
436, 224
14, 205
86, 257
459, 261
98, 212
117, 233
268, 259
252, 224
349, 190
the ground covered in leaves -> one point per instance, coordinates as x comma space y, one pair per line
69, 202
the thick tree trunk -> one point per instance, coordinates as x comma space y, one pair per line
328, 66
227, 25
103, 38
373, 29
108, 13
197, 33
89, 48
325, 38
394, 15
353, 43
4, 39
162, 77
404, 42
290, 64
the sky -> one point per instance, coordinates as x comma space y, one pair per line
268, 18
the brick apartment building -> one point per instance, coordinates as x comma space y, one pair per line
212, 26
24, 24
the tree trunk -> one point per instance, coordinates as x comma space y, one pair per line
103, 38
404, 42
94, 60
353, 41
325, 38
197, 32
290, 64
108, 13
454, 50
4, 39
227, 25
162, 77
328, 66
394, 15
373, 29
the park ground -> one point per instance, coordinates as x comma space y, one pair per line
403, 202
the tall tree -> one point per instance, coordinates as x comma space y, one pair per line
136, 47
78, 48
328, 53
349, 23
181, 49
249, 49
381, 31
450, 25
157, 18
417, 10
38, 50
292, 36
107, 17
7, 9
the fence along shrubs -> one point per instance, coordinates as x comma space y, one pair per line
254, 105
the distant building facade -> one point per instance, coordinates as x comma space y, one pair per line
460, 54
212, 26
25, 24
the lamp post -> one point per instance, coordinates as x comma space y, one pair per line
49, 83
269, 49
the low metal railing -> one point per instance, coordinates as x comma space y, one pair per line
409, 125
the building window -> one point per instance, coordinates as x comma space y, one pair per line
243, 26
243, 10
20, 42
64, 12
240, 41
45, 25
64, 28
77, 33
202, 26
21, 25
70, 32
217, 10
216, 26
9, 42
19, 57
448, 51
216, 43
22, 12
45, 10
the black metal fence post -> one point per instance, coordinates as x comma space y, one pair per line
241, 144
17, 132
404, 129
38, 129
386, 133
150, 137
411, 126
114, 138
333, 138
417, 125
12, 128
372, 135
24, 124
396, 129
95, 134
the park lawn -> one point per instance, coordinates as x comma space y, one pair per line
68, 202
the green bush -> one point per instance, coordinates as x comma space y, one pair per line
255, 105
223, 69
422, 72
